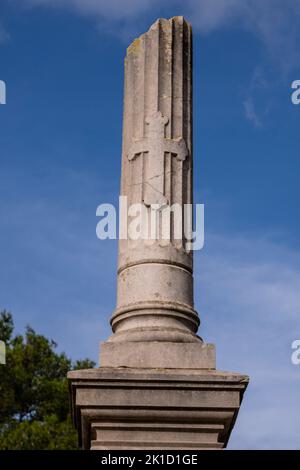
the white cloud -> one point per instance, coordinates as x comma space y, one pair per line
112, 9
274, 22
209, 15
248, 290
251, 113
54, 278
61, 279
258, 90
243, 266
4, 36
248, 295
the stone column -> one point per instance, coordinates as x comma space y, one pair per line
156, 387
155, 279
155, 276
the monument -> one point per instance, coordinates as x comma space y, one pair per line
157, 386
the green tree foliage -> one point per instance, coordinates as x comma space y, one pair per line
34, 401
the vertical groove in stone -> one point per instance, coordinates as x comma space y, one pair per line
158, 78
151, 81
143, 117
165, 96
158, 64
187, 110
140, 93
178, 103
189, 120
184, 106
152, 64
127, 117
141, 113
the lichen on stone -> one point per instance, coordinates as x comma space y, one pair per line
134, 46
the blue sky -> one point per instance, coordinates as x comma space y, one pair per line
60, 147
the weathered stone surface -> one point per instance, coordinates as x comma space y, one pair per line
158, 354
132, 409
157, 387
155, 280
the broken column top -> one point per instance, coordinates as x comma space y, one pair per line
133, 47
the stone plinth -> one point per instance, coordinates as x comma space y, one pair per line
158, 354
171, 409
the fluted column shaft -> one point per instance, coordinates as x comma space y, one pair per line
155, 278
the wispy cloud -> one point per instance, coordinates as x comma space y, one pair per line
54, 277
113, 9
248, 294
258, 91
274, 22
251, 113
61, 279
4, 36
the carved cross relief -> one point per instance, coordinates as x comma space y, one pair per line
156, 145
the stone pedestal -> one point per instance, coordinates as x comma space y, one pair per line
158, 355
157, 387
171, 409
